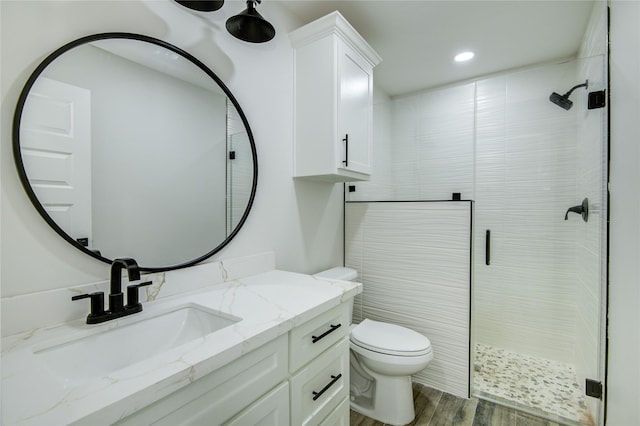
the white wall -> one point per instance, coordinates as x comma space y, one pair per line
301, 221
624, 279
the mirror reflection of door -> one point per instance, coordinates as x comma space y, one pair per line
56, 150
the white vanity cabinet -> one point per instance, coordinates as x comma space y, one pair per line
217, 398
300, 378
319, 367
333, 101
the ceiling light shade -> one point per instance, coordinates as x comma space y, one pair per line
250, 26
202, 5
464, 56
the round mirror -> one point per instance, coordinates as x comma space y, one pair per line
130, 147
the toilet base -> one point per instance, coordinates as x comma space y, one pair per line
391, 402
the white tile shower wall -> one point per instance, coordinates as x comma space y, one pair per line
591, 172
500, 142
413, 259
49, 308
433, 140
379, 186
524, 300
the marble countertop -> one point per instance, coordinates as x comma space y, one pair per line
268, 305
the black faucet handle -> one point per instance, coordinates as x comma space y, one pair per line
133, 300
97, 304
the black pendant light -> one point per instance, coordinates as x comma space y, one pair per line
202, 5
250, 26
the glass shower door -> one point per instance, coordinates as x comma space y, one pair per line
538, 289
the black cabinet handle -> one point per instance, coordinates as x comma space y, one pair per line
333, 328
334, 379
346, 150
133, 298
487, 248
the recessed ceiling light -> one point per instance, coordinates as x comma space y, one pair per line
464, 56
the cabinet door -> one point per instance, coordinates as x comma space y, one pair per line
339, 416
319, 387
217, 397
355, 111
270, 410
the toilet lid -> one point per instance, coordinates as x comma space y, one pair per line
389, 338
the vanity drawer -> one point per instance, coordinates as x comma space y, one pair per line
270, 410
318, 388
340, 416
316, 335
217, 397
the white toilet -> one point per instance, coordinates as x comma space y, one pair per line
383, 358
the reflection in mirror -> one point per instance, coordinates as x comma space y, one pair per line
131, 149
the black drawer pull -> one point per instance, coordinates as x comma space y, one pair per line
332, 329
334, 379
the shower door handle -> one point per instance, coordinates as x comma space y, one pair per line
487, 247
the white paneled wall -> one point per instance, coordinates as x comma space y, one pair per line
414, 259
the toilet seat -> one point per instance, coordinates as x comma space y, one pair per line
389, 339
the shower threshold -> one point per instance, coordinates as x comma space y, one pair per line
541, 387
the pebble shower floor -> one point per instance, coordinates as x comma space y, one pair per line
540, 385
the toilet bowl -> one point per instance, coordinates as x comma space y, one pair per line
383, 358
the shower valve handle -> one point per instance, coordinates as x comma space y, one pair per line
582, 209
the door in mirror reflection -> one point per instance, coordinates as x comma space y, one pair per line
56, 151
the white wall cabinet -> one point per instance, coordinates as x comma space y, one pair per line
333, 101
267, 386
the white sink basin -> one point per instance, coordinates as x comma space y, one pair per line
130, 342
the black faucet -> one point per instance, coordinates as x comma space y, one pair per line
117, 308
116, 296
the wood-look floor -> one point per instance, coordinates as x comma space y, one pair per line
436, 408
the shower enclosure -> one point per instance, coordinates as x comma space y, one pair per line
537, 280
539, 270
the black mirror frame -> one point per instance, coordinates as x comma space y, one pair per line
17, 155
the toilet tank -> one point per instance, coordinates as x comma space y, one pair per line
340, 273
